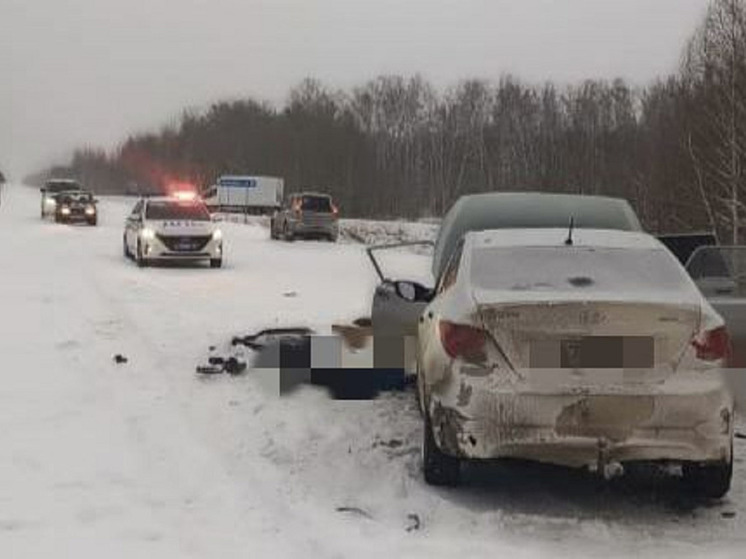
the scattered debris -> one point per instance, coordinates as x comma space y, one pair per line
355, 510
393, 443
120, 359
269, 335
728, 514
355, 337
414, 522
290, 294
209, 369
740, 435
233, 366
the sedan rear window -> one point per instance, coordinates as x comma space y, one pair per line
317, 204
177, 210
577, 269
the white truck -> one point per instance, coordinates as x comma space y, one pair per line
245, 194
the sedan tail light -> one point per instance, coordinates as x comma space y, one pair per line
335, 210
713, 345
461, 340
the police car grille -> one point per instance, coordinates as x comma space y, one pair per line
184, 243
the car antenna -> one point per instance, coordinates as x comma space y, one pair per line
569, 241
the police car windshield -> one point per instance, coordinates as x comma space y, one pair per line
192, 211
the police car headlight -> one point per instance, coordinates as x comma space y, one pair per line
217, 235
90, 210
147, 234
65, 210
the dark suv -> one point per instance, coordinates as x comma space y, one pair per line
75, 206
308, 215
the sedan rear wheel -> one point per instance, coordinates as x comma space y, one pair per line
710, 481
439, 468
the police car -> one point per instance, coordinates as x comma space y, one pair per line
174, 228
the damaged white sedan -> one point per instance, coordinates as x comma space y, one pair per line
590, 350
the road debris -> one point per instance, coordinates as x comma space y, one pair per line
414, 522
355, 510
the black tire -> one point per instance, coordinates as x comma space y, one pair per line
93, 222
438, 468
286, 234
57, 218
710, 480
140, 259
125, 248
216, 262
272, 234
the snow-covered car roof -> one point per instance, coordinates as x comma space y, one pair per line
533, 264
605, 238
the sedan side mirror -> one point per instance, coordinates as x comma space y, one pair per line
413, 292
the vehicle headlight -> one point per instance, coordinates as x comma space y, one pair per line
51, 202
90, 210
217, 235
65, 210
147, 233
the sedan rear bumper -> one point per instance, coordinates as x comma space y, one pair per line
683, 423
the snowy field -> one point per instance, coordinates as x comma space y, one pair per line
146, 459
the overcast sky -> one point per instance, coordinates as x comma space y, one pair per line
87, 72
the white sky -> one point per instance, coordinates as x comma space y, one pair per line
87, 72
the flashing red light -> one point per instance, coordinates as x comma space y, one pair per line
185, 195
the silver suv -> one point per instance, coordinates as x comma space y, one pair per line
308, 215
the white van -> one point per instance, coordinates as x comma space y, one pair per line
245, 194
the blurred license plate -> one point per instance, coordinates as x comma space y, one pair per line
184, 245
594, 352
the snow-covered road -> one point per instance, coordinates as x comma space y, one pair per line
146, 459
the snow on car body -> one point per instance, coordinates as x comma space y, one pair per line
75, 206
598, 352
172, 228
51, 189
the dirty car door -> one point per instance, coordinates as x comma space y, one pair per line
396, 309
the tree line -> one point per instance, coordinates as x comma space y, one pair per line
397, 147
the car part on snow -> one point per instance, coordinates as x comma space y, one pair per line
355, 510
414, 522
120, 359
287, 358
